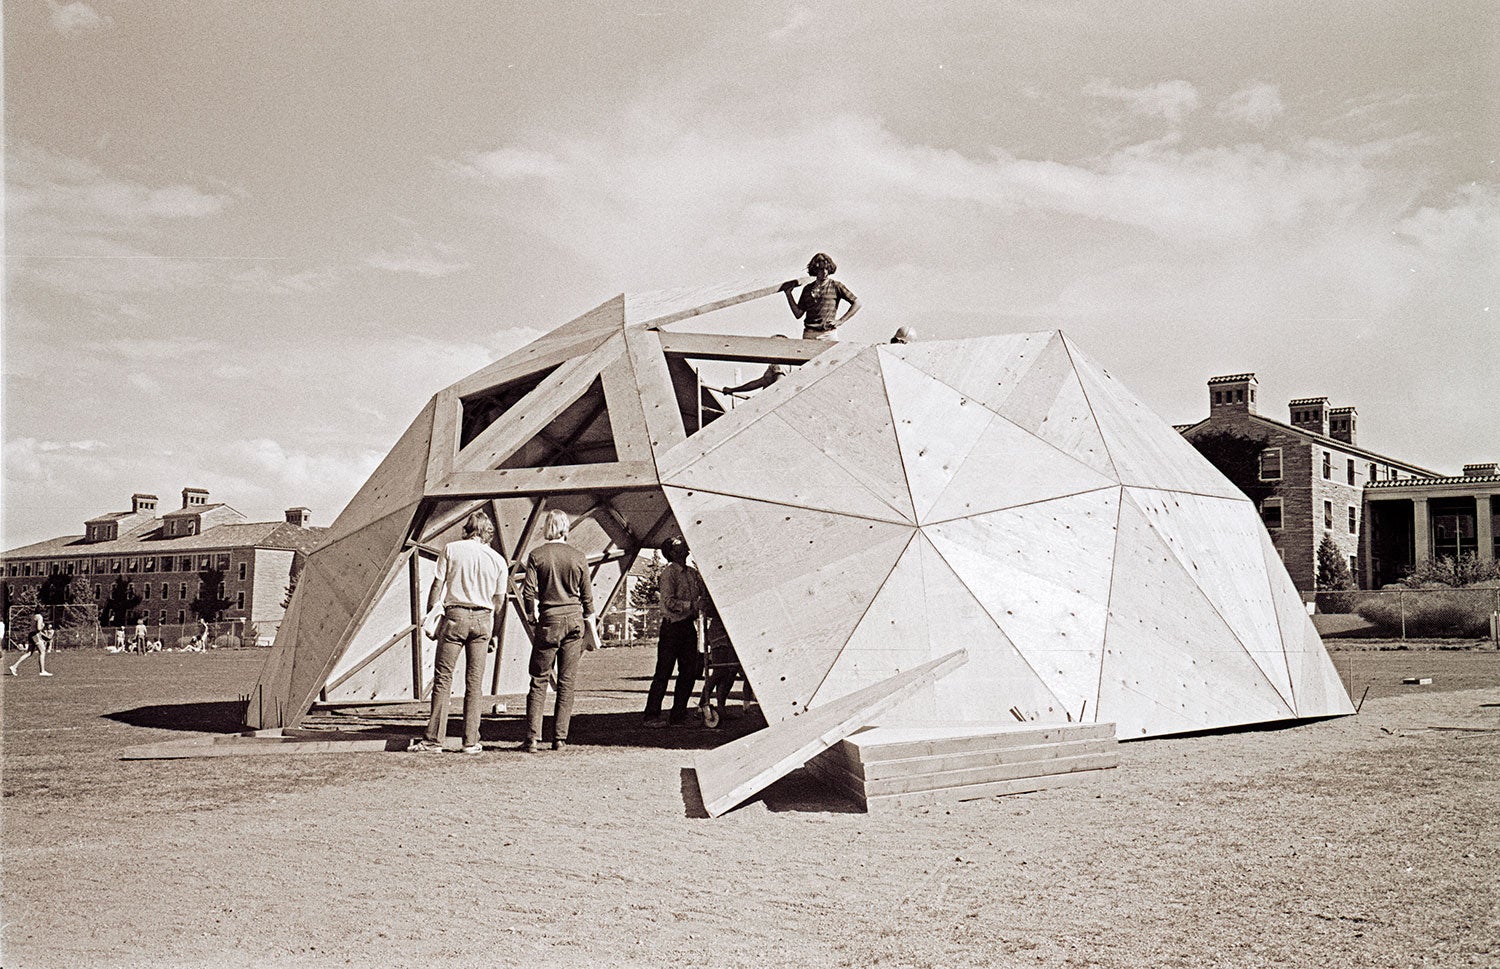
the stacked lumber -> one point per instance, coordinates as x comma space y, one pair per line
885, 767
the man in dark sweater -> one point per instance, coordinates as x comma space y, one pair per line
559, 601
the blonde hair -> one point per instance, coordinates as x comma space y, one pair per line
478, 525
557, 525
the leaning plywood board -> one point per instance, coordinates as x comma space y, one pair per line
738, 770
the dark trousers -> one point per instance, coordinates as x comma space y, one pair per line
559, 642
676, 646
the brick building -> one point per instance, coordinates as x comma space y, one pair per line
1308, 477
161, 558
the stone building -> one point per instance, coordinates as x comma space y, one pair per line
1415, 520
161, 558
1308, 477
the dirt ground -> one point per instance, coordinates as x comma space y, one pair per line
1361, 841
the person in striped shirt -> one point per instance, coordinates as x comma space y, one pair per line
818, 306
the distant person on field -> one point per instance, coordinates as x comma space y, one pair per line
818, 306
39, 643
904, 334
559, 601
202, 633
773, 373
140, 635
119, 646
468, 587
681, 592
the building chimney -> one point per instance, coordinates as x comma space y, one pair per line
1342, 424
298, 516
1310, 414
141, 504
1235, 392
1490, 470
194, 497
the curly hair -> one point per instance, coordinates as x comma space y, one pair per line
822, 259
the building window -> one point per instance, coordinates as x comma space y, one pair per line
204, 563
180, 616
149, 563
1270, 512
146, 592
182, 591
187, 564
166, 590
14, 571
1252, 395
1354, 566
26, 569
1353, 520
1328, 515
244, 567
114, 566
161, 617
1374, 471
1270, 464
131, 565
191, 525
55, 568
96, 592
239, 601
1351, 471
222, 562
1218, 397
1327, 466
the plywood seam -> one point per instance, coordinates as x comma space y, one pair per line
905, 523
900, 451
904, 519
862, 613
1281, 630
1114, 564
1024, 504
1108, 454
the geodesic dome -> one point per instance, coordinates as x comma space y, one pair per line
877, 508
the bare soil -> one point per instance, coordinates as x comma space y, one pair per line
1360, 841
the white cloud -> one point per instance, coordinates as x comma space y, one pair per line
419, 258
1257, 105
76, 17
511, 163
797, 20
143, 384
1172, 100
263, 280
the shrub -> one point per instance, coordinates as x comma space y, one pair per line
1430, 613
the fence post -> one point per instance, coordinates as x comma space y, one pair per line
1403, 614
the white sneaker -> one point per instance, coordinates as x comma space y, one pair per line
44, 673
12, 671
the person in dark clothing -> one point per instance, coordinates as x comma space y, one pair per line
677, 643
559, 601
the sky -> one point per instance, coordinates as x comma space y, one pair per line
246, 242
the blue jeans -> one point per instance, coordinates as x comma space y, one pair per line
560, 642
465, 630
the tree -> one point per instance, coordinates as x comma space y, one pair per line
55, 590
645, 597
120, 608
1237, 457
211, 601
1333, 577
298, 560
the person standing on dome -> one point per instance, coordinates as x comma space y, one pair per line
818, 305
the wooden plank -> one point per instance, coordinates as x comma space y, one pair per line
1170, 663
1144, 449
772, 461
397, 482
1043, 573
627, 419
653, 382
532, 413
442, 450
573, 339
730, 774
882, 803
667, 306
948, 780
1007, 466
1210, 537
560, 479
901, 743
980, 760
936, 427
788, 622
262, 747
742, 349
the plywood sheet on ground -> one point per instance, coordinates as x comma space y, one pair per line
790, 583
730, 774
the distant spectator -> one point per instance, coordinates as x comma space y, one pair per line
140, 635
202, 633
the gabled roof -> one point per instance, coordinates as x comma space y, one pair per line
1322, 439
193, 510
150, 541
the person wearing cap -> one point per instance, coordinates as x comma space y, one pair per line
818, 305
904, 334
677, 644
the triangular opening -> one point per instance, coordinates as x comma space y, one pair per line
581, 434
482, 410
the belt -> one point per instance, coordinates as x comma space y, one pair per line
459, 605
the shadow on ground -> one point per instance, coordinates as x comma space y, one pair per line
215, 716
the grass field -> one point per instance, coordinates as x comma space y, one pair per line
1361, 841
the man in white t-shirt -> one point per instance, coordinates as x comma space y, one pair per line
469, 587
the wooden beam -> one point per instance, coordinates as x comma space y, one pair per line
752, 349
670, 306
561, 479
395, 640
654, 386
536, 410
627, 419
442, 450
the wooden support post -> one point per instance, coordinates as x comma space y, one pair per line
414, 583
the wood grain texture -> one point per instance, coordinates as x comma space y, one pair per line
741, 349
667, 306
658, 396
560, 479
730, 774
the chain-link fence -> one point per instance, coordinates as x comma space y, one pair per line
78, 627
1425, 613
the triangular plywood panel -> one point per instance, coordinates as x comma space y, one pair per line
771, 461
356, 564
1144, 449
1208, 536
572, 339
936, 428
788, 621
1048, 401
987, 369
1008, 467
1043, 574
1317, 690
1171, 664
359, 677
398, 481
846, 415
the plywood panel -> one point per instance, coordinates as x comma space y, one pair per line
936, 428
1171, 664
1317, 690
771, 461
1145, 450
1211, 538
398, 481
730, 774
1048, 401
390, 615
572, 339
1007, 467
357, 565
847, 416
1043, 572
985, 369
791, 584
